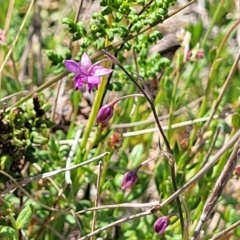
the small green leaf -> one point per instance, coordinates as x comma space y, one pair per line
8, 232
30, 154
107, 11
236, 120
5, 162
24, 217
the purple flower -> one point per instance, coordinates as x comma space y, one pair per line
161, 224
105, 113
86, 72
129, 179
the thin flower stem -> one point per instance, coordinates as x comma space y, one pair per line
148, 96
150, 159
160, 127
124, 97
146, 93
171, 162
175, 187
149, 99
55, 101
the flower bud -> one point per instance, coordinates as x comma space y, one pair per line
115, 141
161, 224
112, 58
105, 113
237, 171
129, 179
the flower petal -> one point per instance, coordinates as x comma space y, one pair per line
78, 81
161, 224
83, 71
72, 66
129, 179
90, 87
93, 80
99, 71
86, 61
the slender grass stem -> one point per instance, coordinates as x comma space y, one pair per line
223, 90
17, 36
217, 190
214, 19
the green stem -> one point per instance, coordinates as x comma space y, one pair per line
92, 117
214, 19
173, 98
13, 222
73, 117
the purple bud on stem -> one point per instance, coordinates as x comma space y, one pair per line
161, 224
129, 179
105, 113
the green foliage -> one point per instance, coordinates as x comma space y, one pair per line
42, 135
24, 217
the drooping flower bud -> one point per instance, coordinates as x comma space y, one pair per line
129, 179
237, 171
105, 113
112, 58
161, 224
